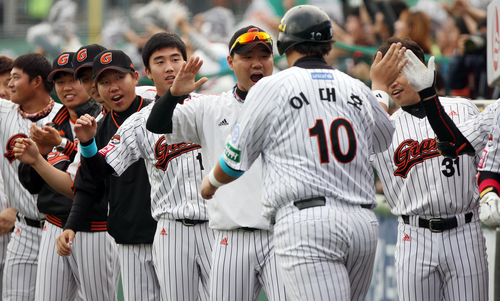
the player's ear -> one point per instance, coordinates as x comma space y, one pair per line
37, 81
230, 62
135, 75
148, 74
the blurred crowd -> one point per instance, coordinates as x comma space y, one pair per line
454, 31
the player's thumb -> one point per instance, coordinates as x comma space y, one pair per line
430, 64
200, 82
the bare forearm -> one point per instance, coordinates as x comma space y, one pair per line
58, 179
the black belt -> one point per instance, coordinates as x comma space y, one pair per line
32, 222
318, 201
438, 224
248, 229
191, 222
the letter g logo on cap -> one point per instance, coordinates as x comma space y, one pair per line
106, 58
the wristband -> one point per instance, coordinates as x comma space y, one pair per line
228, 170
90, 150
382, 97
213, 180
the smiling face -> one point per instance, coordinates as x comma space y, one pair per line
117, 89
402, 92
87, 82
164, 64
250, 67
69, 91
21, 88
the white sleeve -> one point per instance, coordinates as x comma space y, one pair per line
251, 131
477, 129
124, 148
491, 153
383, 127
186, 119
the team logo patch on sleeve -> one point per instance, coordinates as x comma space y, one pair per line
235, 134
483, 157
232, 153
321, 75
104, 151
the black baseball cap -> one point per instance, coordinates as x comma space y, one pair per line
111, 59
242, 48
84, 57
62, 63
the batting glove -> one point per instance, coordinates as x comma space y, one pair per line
418, 76
489, 210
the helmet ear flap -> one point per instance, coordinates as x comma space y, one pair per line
304, 23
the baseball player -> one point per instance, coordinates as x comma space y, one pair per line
182, 247
59, 278
30, 103
129, 221
7, 214
313, 126
434, 197
243, 255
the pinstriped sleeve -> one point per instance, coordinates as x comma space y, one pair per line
383, 127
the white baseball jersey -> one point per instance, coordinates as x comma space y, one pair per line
420, 183
148, 92
175, 172
315, 129
416, 179
208, 120
13, 126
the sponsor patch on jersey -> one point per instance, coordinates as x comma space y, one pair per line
483, 157
235, 134
490, 139
321, 75
106, 150
232, 153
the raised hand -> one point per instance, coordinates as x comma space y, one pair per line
418, 75
85, 128
385, 70
184, 82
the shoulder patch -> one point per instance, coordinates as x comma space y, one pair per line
232, 153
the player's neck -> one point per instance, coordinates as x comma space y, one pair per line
36, 105
293, 56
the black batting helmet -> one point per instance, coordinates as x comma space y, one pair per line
304, 23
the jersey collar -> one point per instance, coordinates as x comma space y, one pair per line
416, 110
312, 62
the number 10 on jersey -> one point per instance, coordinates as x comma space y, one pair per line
343, 156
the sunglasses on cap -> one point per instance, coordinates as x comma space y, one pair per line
250, 37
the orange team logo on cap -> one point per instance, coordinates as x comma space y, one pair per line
63, 59
82, 55
106, 58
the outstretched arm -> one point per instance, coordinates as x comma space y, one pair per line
26, 151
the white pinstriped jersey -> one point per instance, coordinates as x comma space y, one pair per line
315, 129
148, 92
175, 171
208, 120
490, 158
477, 130
3, 200
416, 179
13, 126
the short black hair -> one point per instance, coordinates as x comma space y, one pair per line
407, 43
5, 64
159, 41
312, 49
34, 65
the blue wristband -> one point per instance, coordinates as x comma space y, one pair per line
228, 170
90, 150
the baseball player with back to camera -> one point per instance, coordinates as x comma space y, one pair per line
440, 252
30, 103
129, 218
318, 188
59, 278
7, 214
182, 248
243, 255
